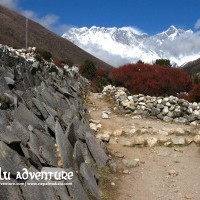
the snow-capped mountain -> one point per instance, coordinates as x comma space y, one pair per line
118, 46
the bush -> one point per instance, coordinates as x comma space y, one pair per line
151, 79
58, 62
46, 55
194, 95
163, 62
38, 57
88, 69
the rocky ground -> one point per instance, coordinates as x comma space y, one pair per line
152, 159
44, 127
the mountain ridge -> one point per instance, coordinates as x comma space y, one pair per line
128, 45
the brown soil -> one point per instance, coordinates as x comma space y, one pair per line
151, 179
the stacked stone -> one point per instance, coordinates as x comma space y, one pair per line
44, 127
165, 108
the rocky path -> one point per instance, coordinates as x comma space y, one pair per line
152, 159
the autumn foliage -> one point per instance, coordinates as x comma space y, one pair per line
151, 79
194, 94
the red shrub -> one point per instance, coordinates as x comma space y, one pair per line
57, 62
195, 93
151, 79
101, 71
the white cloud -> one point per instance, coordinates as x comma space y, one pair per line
49, 21
197, 25
12, 4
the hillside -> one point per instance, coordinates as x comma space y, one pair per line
192, 67
12, 33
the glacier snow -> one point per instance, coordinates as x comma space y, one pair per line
118, 46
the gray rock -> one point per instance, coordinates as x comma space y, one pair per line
76, 190
20, 131
89, 180
131, 162
3, 118
10, 160
155, 111
7, 136
9, 81
104, 115
12, 192
180, 120
167, 119
96, 149
178, 140
26, 117
40, 107
65, 148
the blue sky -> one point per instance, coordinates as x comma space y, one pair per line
150, 16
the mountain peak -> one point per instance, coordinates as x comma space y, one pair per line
123, 45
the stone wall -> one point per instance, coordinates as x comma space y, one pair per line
44, 127
165, 108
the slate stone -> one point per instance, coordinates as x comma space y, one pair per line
20, 131
40, 107
89, 180
65, 147
26, 117
96, 149
155, 111
10, 160
31, 157
76, 190
34, 146
7, 136
78, 155
9, 81
3, 118
63, 91
51, 123
44, 147
8, 192
3, 85
70, 132
63, 106
50, 110
48, 99
38, 192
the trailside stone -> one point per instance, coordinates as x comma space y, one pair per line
180, 131
167, 119
139, 140
163, 133
151, 142
117, 132
189, 140
180, 120
197, 139
104, 137
104, 115
131, 162
178, 141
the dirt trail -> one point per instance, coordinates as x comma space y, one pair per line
164, 173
